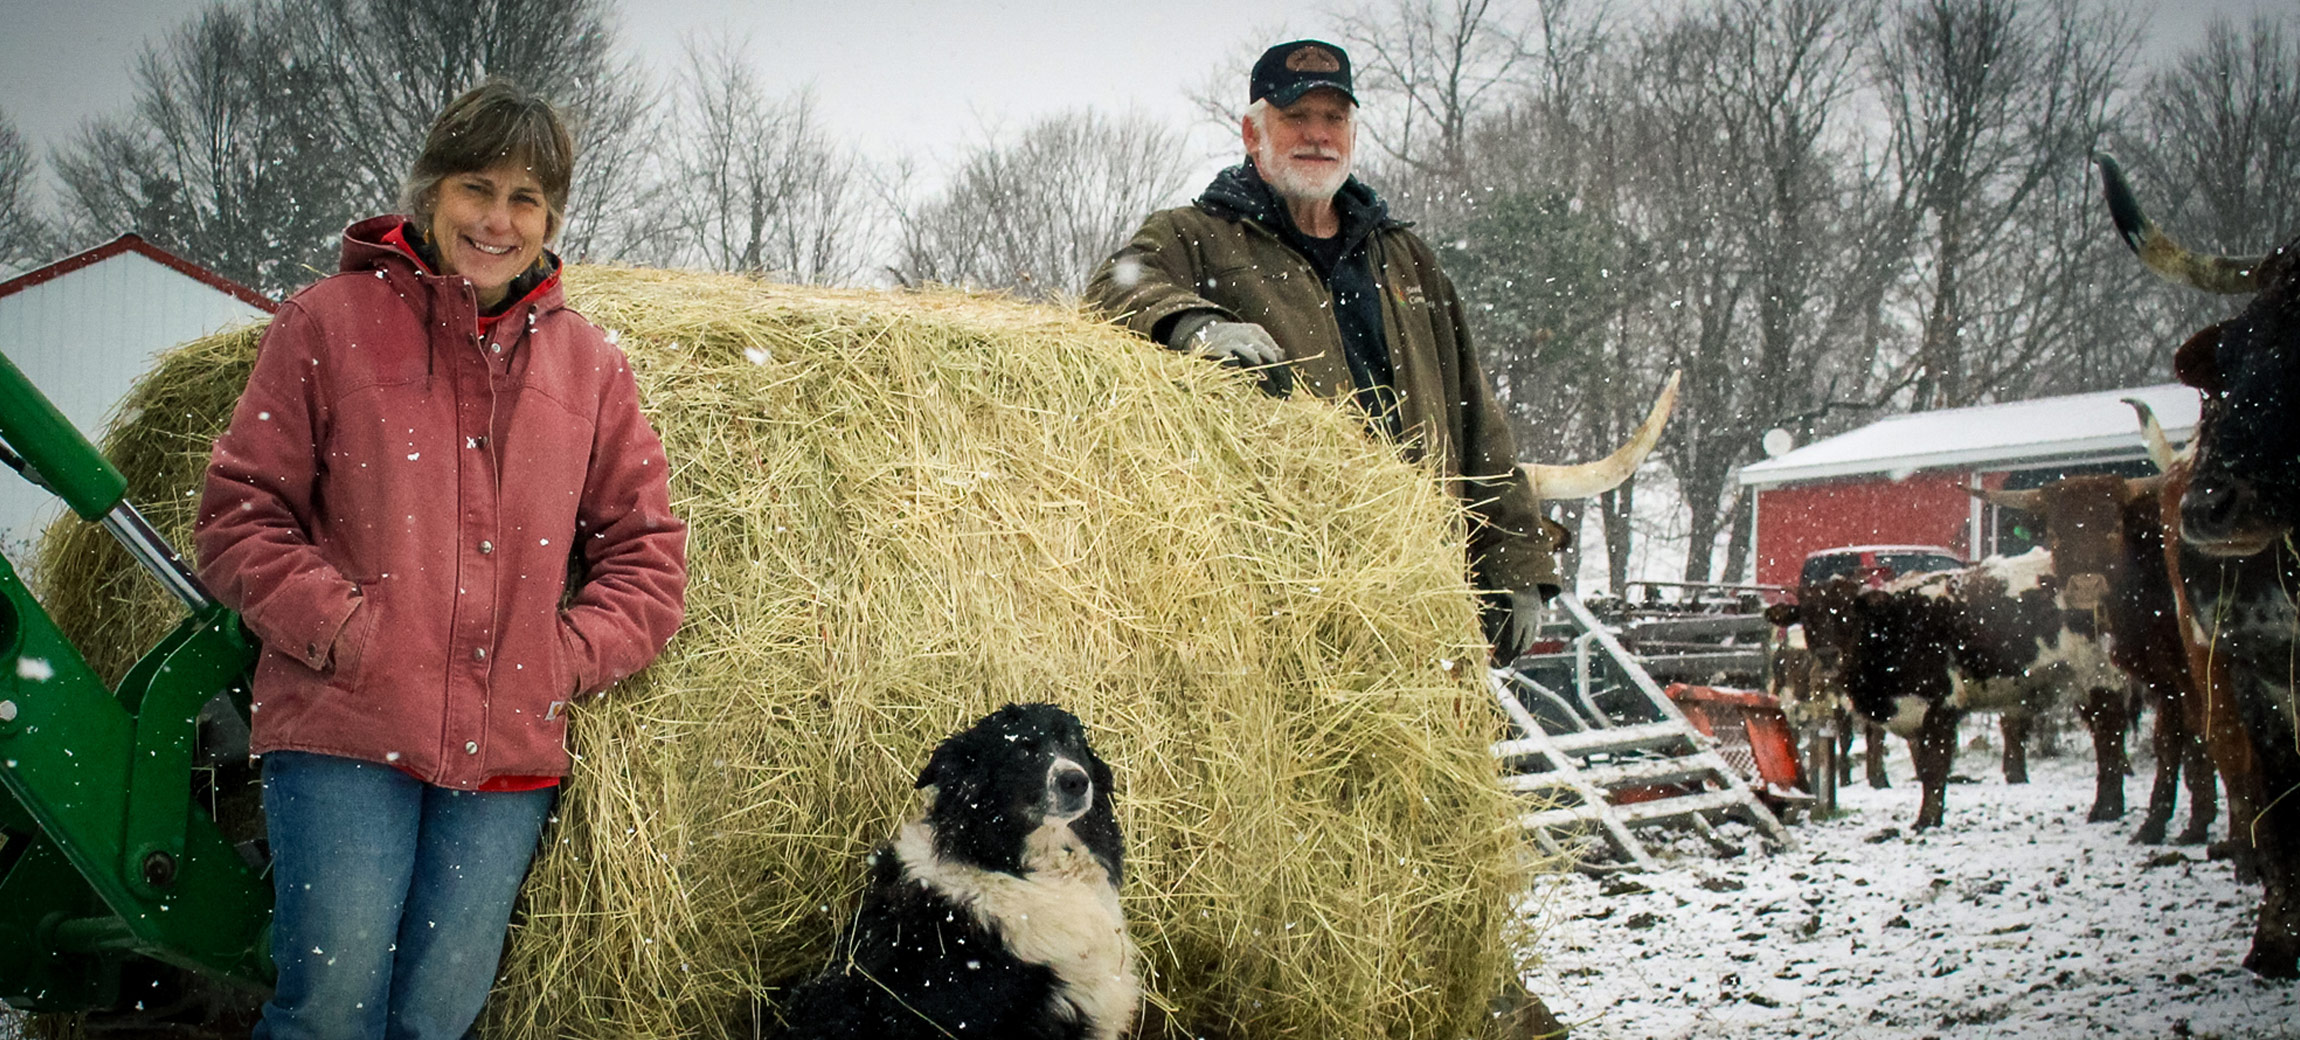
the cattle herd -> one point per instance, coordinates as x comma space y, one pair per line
2181, 585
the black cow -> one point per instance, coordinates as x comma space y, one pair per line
1923, 651
2239, 505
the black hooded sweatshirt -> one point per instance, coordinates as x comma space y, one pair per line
1341, 261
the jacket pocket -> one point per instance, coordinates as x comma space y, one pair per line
347, 660
567, 677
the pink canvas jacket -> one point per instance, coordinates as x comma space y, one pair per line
398, 505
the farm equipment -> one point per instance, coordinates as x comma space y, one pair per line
1608, 751
118, 888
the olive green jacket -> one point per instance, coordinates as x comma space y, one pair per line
1215, 255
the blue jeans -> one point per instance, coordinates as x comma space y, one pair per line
392, 898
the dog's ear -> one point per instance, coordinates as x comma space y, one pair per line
1099, 771
939, 766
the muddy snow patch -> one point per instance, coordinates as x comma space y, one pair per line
2019, 919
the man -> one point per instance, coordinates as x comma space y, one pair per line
1290, 265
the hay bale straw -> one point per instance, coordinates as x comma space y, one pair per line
908, 509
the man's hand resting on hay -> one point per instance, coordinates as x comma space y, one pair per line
1515, 633
1211, 337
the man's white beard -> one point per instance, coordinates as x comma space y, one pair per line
1294, 182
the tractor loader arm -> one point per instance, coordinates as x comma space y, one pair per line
105, 858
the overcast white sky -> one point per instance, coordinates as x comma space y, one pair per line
916, 76
919, 76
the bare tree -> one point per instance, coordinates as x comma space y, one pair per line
1682, 198
221, 157
1219, 93
1037, 215
2213, 145
261, 128
1436, 64
1715, 144
1427, 71
1786, 74
25, 235
757, 185
387, 67
2222, 124
1533, 238
1991, 103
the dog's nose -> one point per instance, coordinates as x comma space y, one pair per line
1073, 789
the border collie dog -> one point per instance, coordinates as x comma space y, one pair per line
994, 912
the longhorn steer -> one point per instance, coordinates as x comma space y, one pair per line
2240, 499
1923, 651
2106, 539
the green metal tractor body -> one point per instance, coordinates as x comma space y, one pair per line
108, 859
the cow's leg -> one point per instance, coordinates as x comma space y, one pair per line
1935, 750
2013, 726
2244, 798
2231, 755
2170, 743
2276, 942
2276, 939
2103, 712
1846, 724
1874, 754
2203, 793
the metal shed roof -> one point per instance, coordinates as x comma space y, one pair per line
84, 328
134, 243
2077, 426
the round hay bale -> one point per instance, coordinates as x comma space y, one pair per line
908, 509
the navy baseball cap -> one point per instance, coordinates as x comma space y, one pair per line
1290, 70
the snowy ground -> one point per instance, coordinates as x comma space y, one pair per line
2018, 919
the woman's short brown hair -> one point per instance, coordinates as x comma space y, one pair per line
491, 123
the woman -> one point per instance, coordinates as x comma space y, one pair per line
429, 438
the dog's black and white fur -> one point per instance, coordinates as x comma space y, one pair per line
994, 913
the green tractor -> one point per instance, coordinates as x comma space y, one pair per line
120, 894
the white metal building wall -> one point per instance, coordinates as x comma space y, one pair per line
84, 337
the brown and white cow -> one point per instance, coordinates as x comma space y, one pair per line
2106, 539
2236, 500
1925, 650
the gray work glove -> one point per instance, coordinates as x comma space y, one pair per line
1211, 337
1513, 618
1234, 344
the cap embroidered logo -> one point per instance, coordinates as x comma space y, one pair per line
1313, 59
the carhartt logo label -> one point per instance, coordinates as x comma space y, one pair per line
1313, 59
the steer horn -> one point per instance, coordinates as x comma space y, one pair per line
1590, 479
2152, 434
2178, 265
2030, 500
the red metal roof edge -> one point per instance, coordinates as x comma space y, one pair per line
134, 243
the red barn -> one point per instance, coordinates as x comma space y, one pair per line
1904, 480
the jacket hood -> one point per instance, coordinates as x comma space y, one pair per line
1240, 192
386, 244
